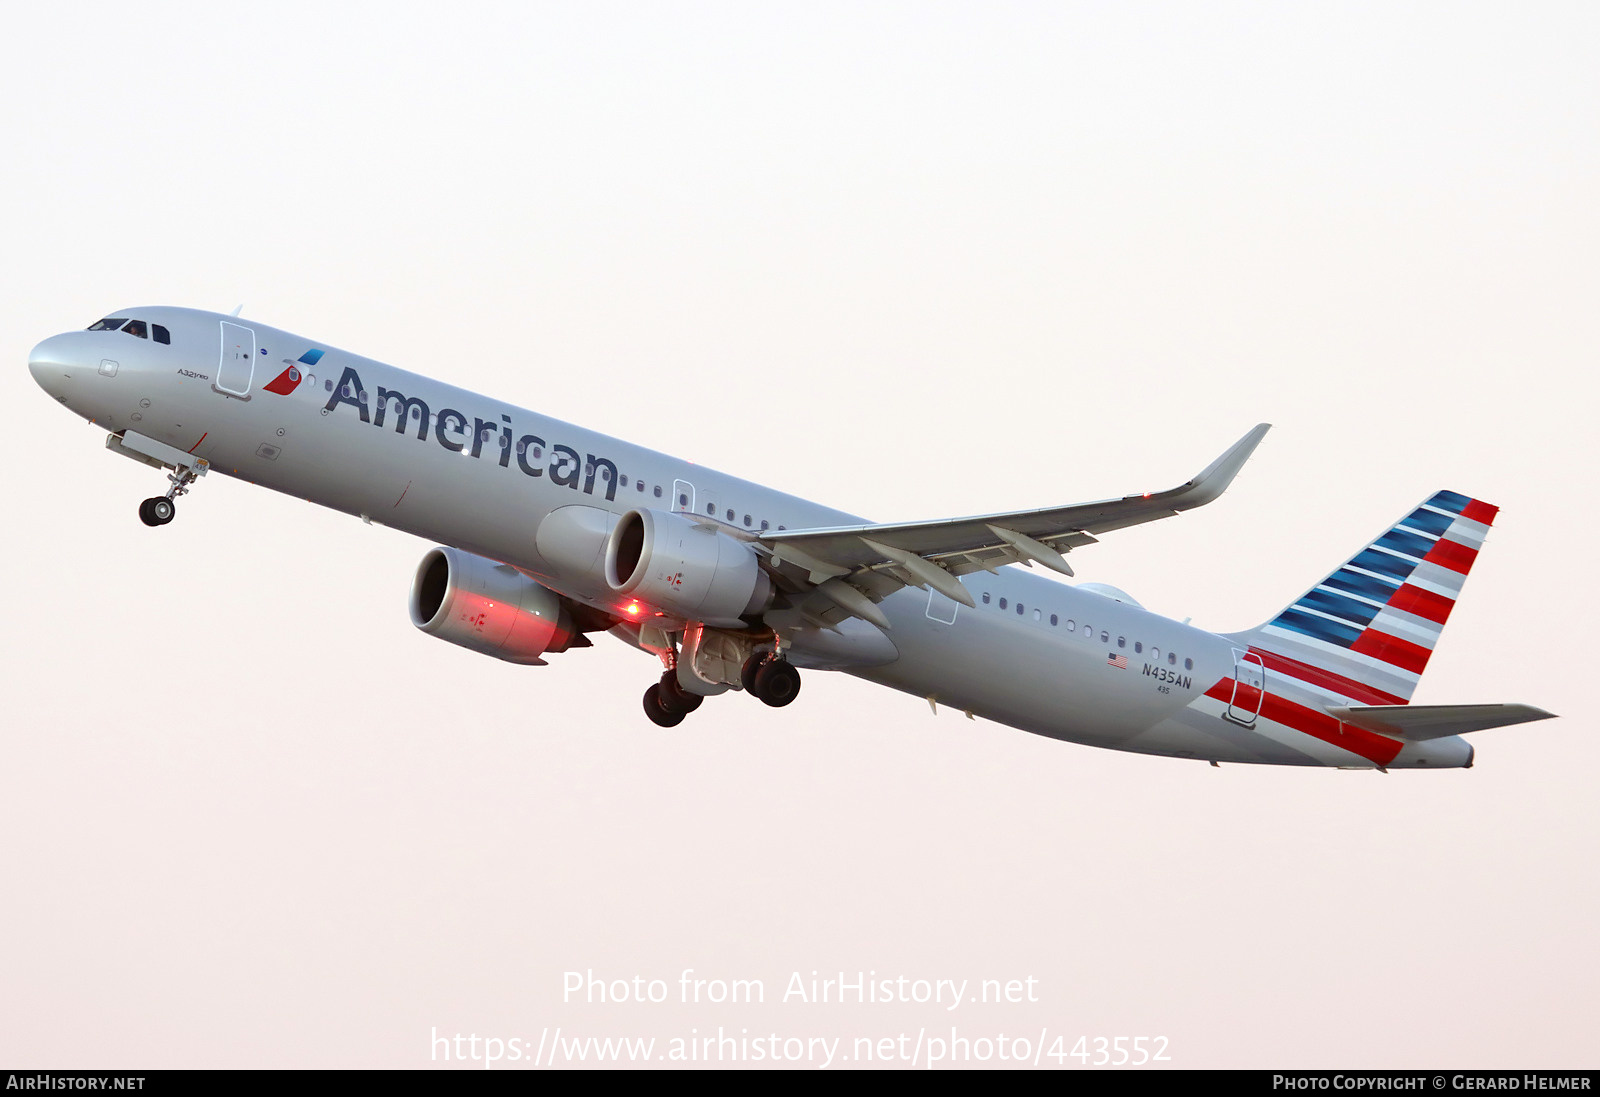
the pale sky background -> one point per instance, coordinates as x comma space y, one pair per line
910, 260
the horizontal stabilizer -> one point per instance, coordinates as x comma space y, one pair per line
1417, 723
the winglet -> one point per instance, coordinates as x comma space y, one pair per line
1218, 474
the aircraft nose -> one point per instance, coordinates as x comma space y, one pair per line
51, 365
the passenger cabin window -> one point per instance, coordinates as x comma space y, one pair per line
110, 323
161, 334
1172, 659
138, 328
985, 597
1188, 664
1002, 603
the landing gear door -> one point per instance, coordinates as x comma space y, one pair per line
236, 366
1249, 687
682, 497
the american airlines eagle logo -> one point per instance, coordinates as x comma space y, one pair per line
286, 382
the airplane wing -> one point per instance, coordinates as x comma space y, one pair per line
854, 567
1417, 723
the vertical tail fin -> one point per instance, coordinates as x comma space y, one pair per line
1373, 623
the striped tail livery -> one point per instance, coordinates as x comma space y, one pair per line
1344, 659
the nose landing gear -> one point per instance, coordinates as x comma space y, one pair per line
161, 509
185, 469
157, 511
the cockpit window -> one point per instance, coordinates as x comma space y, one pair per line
110, 323
137, 327
161, 334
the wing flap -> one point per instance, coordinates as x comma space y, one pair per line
1419, 723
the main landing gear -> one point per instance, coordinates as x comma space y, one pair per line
667, 703
161, 509
772, 680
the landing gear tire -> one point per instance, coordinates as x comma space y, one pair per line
777, 683
157, 511
658, 712
747, 673
676, 697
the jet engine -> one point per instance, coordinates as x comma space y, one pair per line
686, 568
490, 608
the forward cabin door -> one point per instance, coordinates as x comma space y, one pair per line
236, 367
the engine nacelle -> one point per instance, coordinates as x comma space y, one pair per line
685, 568
489, 608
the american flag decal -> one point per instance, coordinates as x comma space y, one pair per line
1118, 661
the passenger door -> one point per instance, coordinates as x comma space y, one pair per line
1249, 687
237, 363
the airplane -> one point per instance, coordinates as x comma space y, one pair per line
548, 533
